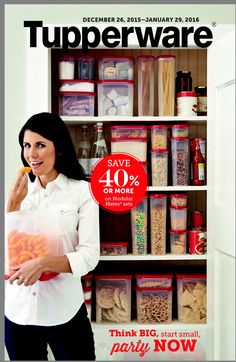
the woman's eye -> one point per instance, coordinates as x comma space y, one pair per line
40, 145
26, 145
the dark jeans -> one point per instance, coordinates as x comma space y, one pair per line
70, 341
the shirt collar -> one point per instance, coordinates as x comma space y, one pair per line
60, 182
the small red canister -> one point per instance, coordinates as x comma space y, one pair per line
197, 219
197, 242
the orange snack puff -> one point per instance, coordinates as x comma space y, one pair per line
26, 169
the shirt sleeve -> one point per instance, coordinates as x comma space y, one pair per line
86, 256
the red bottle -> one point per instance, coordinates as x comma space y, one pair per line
198, 165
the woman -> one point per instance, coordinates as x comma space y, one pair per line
40, 313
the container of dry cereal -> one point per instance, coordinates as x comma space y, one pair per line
178, 199
154, 305
113, 248
178, 241
159, 162
180, 160
113, 298
178, 217
154, 280
158, 207
192, 298
159, 137
139, 228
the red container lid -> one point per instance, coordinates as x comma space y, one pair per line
127, 127
87, 289
166, 276
116, 57
165, 57
149, 289
186, 94
197, 218
141, 139
114, 243
66, 57
178, 231
184, 125
114, 276
159, 126
79, 93
88, 301
119, 81
178, 207
159, 150
158, 196
76, 81
178, 196
179, 138
145, 57
87, 276
191, 276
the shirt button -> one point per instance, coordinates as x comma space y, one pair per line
34, 293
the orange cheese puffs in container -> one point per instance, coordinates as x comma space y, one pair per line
29, 237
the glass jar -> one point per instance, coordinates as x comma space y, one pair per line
201, 100
183, 81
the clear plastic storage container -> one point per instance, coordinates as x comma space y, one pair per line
66, 67
158, 210
74, 85
113, 248
154, 305
139, 228
87, 293
159, 162
76, 103
178, 241
115, 98
180, 160
159, 137
121, 68
146, 71
192, 298
136, 147
178, 199
154, 280
85, 68
179, 130
166, 85
126, 131
113, 298
178, 217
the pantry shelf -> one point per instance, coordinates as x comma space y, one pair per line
131, 257
177, 188
73, 120
174, 325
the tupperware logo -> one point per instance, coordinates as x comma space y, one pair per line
112, 37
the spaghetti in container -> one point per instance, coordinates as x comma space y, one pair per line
146, 85
166, 85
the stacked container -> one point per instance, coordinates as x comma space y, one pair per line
139, 228
146, 85
180, 160
178, 220
113, 248
113, 298
158, 210
154, 298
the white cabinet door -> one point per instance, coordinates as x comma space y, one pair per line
221, 194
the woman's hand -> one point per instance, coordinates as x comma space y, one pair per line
18, 192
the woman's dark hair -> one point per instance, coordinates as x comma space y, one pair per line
52, 127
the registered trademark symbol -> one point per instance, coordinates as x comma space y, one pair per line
214, 23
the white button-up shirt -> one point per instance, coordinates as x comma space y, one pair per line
57, 300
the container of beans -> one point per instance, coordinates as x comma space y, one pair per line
113, 248
178, 217
139, 228
159, 163
178, 241
179, 130
180, 160
158, 205
159, 136
178, 199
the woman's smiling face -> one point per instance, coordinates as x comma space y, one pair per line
40, 154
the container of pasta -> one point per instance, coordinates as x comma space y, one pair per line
113, 298
154, 305
30, 235
159, 136
115, 97
192, 298
154, 280
113, 248
166, 85
158, 211
139, 228
178, 199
